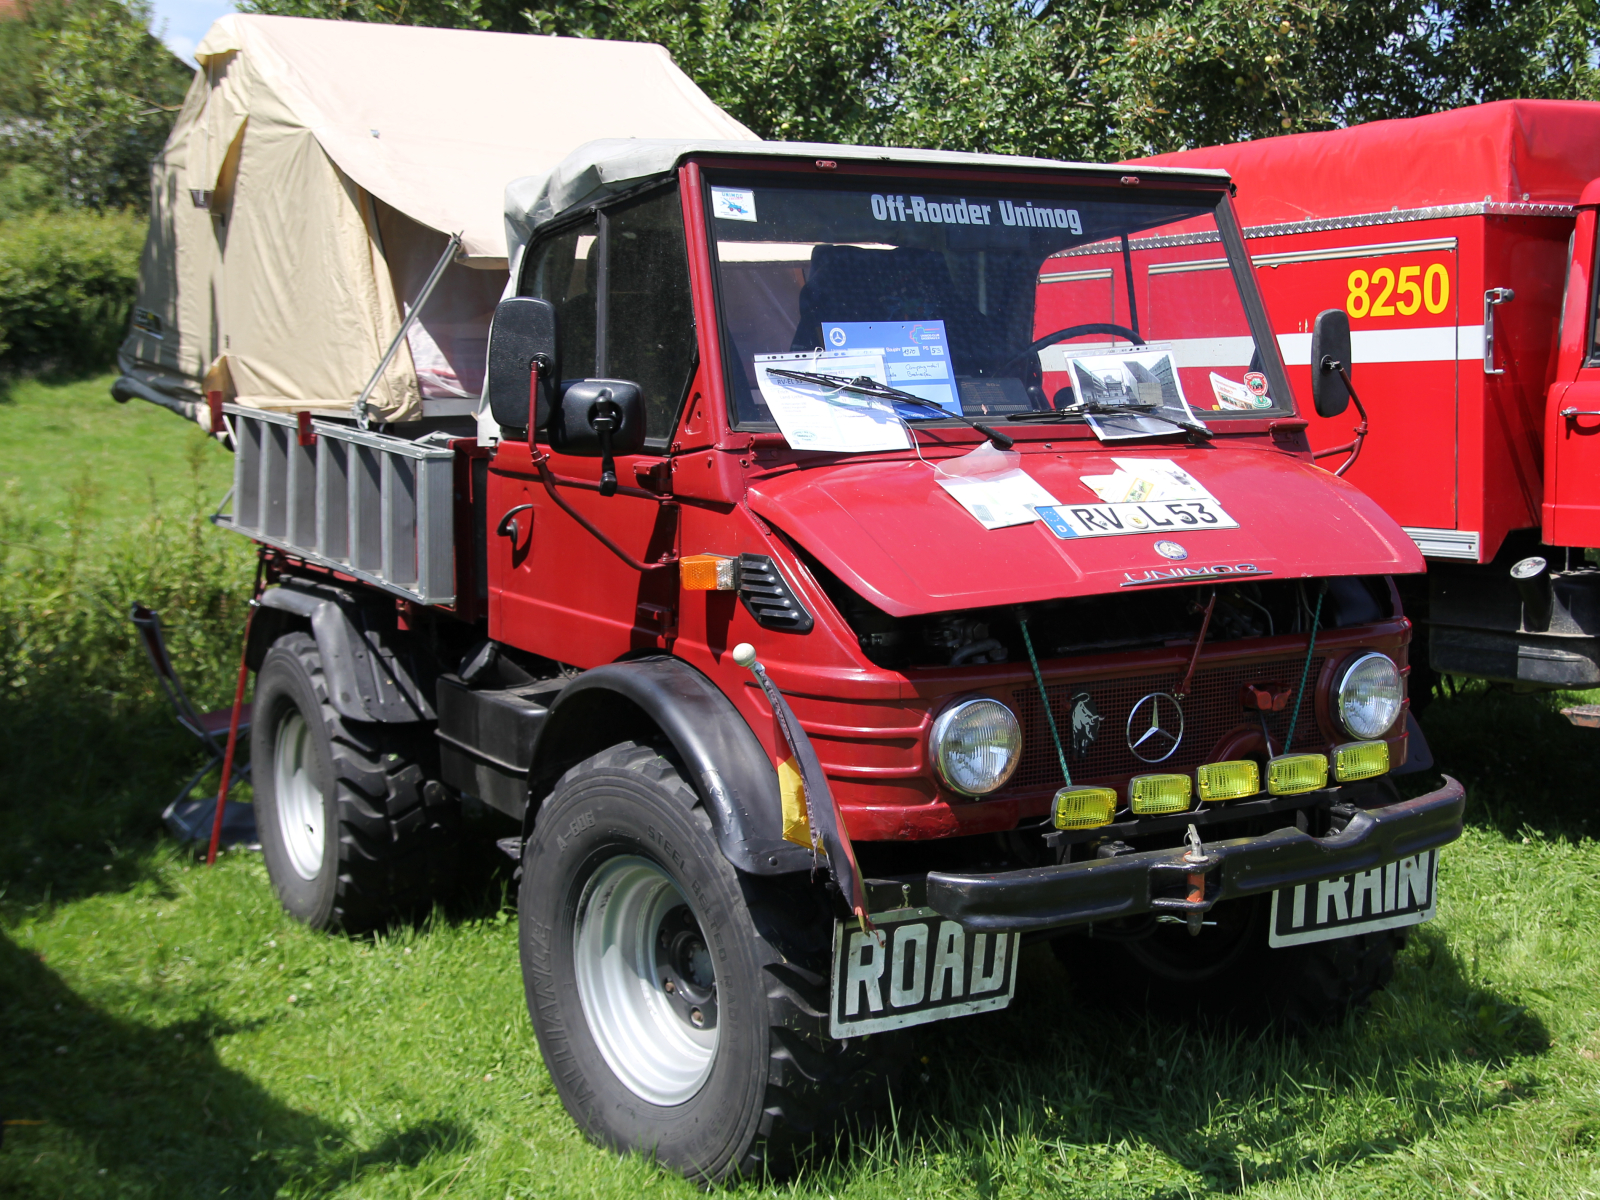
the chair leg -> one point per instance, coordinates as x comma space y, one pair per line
183, 823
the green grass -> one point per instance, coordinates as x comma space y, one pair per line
68, 451
179, 1037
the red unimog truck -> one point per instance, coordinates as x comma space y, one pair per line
1462, 247
826, 617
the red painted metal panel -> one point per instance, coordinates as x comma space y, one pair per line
1407, 348
1570, 512
558, 592
1543, 151
894, 536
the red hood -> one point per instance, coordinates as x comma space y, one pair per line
898, 540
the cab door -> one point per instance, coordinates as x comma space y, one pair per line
619, 281
1571, 510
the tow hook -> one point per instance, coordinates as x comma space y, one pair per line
1195, 864
1195, 856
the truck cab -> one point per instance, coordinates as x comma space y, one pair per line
855, 570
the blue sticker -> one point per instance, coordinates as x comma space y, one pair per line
916, 357
1055, 522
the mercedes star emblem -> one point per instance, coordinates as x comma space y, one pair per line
1171, 550
1155, 727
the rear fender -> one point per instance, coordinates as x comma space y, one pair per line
653, 699
367, 680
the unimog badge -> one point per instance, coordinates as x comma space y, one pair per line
1086, 720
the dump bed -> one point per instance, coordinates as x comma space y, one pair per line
1413, 227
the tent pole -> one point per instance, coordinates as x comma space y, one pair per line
434, 276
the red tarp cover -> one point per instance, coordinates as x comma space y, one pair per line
1542, 151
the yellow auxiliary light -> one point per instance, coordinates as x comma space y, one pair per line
1151, 794
1229, 780
1291, 774
1083, 807
709, 573
1360, 760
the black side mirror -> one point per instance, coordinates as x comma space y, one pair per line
522, 362
1330, 353
603, 417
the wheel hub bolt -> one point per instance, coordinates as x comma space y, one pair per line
669, 986
697, 1017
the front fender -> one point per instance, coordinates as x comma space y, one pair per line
724, 760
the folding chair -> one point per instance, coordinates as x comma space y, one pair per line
189, 818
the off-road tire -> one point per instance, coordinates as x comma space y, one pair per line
1237, 979
390, 829
777, 1083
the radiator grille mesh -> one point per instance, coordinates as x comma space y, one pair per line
1211, 712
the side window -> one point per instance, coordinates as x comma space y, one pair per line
565, 271
649, 325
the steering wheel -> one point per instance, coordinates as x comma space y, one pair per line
1072, 331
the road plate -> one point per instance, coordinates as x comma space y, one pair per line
916, 968
1387, 897
1114, 520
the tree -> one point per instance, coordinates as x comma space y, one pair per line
1089, 79
88, 97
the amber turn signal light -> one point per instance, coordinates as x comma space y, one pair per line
1083, 807
708, 573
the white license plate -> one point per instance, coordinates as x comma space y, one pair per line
1113, 520
915, 968
1387, 897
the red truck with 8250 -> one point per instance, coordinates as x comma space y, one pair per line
1462, 247
832, 611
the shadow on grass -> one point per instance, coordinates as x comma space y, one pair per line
80, 806
132, 1110
1523, 763
1060, 1085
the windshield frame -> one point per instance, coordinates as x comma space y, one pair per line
1209, 191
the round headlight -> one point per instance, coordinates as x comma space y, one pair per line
976, 745
1369, 695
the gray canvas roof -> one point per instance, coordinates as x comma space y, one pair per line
613, 164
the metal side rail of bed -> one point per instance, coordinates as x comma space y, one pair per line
371, 505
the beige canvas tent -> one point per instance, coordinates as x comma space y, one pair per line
311, 184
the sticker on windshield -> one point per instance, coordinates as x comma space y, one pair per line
1231, 395
916, 358
1127, 393
733, 204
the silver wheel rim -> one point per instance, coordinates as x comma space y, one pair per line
645, 980
299, 799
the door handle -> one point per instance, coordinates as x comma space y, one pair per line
1491, 298
1569, 413
508, 527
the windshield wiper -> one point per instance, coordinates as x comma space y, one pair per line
1113, 410
862, 385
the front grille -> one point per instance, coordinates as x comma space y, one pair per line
1211, 712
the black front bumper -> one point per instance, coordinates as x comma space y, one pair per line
1162, 880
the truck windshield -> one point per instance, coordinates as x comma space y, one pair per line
1005, 304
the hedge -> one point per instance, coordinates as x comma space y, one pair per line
67, 284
